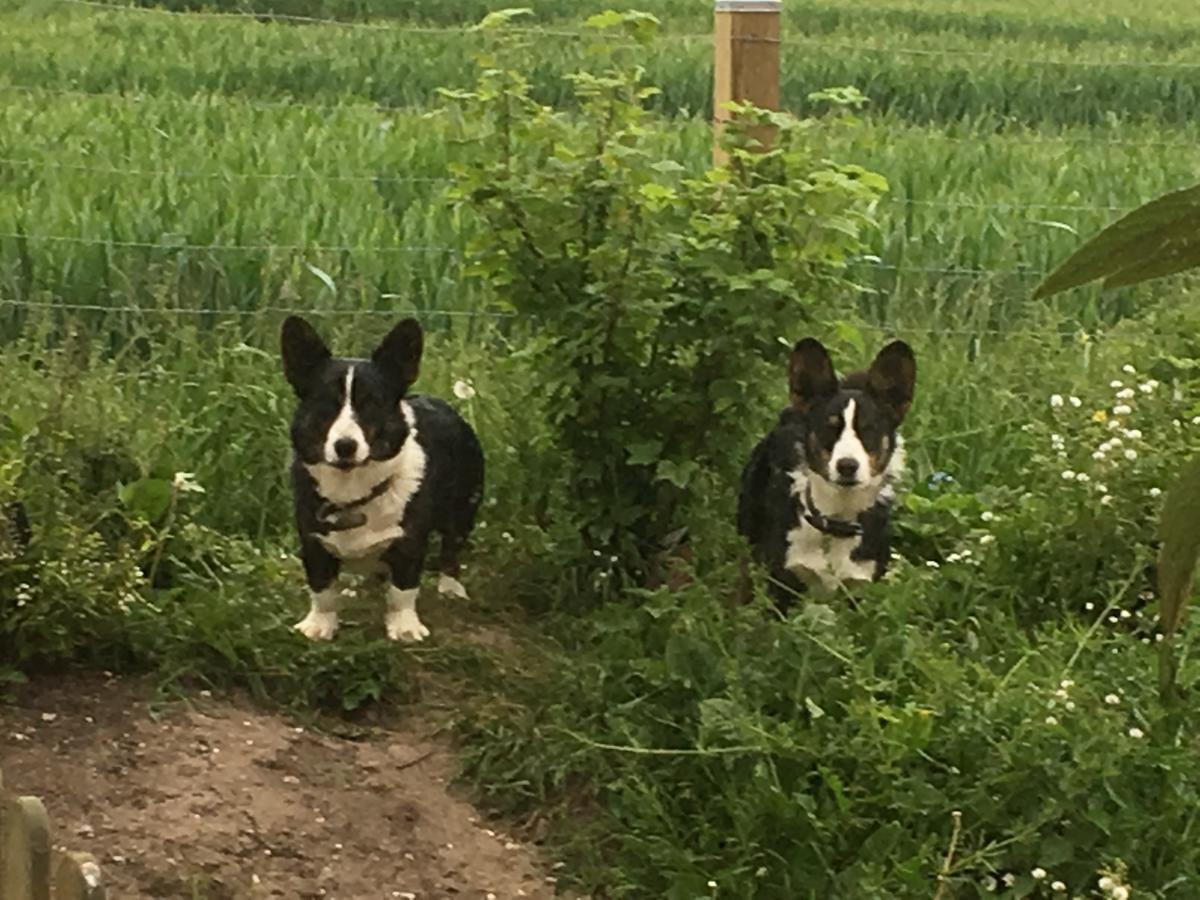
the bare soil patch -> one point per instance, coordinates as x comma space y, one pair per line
215, 799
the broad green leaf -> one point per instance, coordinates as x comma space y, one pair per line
645, 453
1180, 551
501, 17
1160, 238
148, 497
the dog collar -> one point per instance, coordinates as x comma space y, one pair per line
344, 516
839, 528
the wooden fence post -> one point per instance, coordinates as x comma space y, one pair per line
28, 868
745, 62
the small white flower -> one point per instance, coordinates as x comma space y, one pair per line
987, 538
1050, 720
1128, 369
185, 483
1155, 492
1106, 500
1068, 475
1134, 434
1116, 385
1075, 401
1112, 699
1107, 884
712, 885
1176, 423
1103, 489
989, 884
933, 564
1069, 705
953, 558
1113, 425
464, 390
1131, 455
1122, 409
1038, 874
1196, 420
1061, 694
1089, 605
1058, 887
1083, 478
1098, 456
987, 515
1056, 400
1127, 394
508, 538
1120, 892
1136, 733
1009, 880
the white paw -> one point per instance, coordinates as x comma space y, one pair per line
449, 586
405, 626
318, 626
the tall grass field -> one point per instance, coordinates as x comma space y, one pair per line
985, 722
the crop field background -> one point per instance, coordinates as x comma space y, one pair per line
174, 179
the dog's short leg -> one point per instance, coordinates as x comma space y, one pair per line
403, 623
321, 569
448, 566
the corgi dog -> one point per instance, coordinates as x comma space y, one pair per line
375, 472
816, 493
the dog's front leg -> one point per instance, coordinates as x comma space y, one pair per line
404, 560
321, 569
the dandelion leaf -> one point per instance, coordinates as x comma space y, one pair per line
1180, 549
1160, 238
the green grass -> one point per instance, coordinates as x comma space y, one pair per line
216, 172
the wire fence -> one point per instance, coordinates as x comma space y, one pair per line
1058, 332
670, 37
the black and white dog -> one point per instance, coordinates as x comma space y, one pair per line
374, 473
816, 492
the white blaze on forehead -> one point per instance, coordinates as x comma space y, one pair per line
346, 427
849, 446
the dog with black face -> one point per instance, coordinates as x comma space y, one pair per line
375, 471
816, 492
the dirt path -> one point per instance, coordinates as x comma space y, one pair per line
218, 801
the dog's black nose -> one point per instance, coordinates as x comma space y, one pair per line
847, 468
345, 448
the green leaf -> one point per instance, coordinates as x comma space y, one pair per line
645, 453
1160, 238
324, 276
1180, 551
813, 710
148, 497
677, 473
500, 18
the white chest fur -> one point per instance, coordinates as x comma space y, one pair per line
823, 560
383, 515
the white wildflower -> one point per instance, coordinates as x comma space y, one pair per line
1128, 369
1089, 606
1102, 488
987, 538
1122, 409
1112, 699
1131, 455
1058, 887
1116, 385
1127, 394
1113, 425
1068, 475
1196, 420
1056, 400
1083, 478
1106, 500
1155, 492
1066, 683
1136, 733
989, 884
1134, 434
1120, 892
1050, 720
185, 483
1009, 880
1148, 387
1098, 456
987, 515
933, 564
1107, 884
464, 390
1038, 874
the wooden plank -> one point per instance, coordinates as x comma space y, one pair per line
25, 836
77, 877
745, 62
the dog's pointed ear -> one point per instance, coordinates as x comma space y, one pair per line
892, 378
399, 354
303, 353
810, 374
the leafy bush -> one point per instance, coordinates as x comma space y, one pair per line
661, 294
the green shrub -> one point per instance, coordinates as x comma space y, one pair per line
662, 295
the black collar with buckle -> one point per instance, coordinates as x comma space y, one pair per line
838, 528
344, 516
